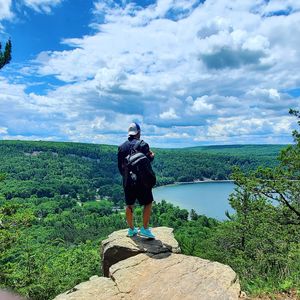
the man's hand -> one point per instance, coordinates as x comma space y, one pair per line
151, 154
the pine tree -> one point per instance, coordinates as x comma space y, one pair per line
5, 56
280, 183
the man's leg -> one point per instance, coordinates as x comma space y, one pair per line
129, 216
147, 214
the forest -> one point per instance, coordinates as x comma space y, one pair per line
88, 171
58, 200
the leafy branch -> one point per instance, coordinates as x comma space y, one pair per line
5, 56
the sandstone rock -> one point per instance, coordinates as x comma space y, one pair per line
118, 246
141, 269
97, 288
7, 295
174, 276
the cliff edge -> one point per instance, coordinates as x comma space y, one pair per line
138, 268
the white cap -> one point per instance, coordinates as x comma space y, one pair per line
134, 129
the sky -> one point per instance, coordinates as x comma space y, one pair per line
190, 72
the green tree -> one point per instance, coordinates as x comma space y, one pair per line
5, 56
281, 183
261, 241
193, 215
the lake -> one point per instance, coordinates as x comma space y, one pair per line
206, 198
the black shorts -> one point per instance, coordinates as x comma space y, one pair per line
144, 196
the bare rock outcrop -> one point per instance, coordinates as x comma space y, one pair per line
97, 288
174, 277
118, 246
7, 295
154, 269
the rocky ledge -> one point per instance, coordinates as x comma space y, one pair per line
119, 247
138, 268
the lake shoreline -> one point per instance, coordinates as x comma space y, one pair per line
192, 182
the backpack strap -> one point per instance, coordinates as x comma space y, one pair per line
137, 144
133, 148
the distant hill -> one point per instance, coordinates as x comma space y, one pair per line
256, 150
93, 149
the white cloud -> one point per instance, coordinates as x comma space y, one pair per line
176, 135
42, 5
3, 130
271, 93
256, 43
169, 114
219, 67
5, 9
243, 127
201, 105
283, 126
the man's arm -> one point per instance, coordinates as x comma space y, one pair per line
146, 150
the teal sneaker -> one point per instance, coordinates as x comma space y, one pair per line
146, 232
132, 232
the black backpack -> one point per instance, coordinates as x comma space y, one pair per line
138, 170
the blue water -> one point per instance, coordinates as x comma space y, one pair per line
206, 198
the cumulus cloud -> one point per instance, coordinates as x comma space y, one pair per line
240, 129
169, 114
236, 126
5, 11
203, 71
200, 105
271, 94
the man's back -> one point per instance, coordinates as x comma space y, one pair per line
126, 148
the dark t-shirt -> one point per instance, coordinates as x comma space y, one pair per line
125, 149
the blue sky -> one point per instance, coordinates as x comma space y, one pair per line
190, 72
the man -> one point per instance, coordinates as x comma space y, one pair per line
142, 194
